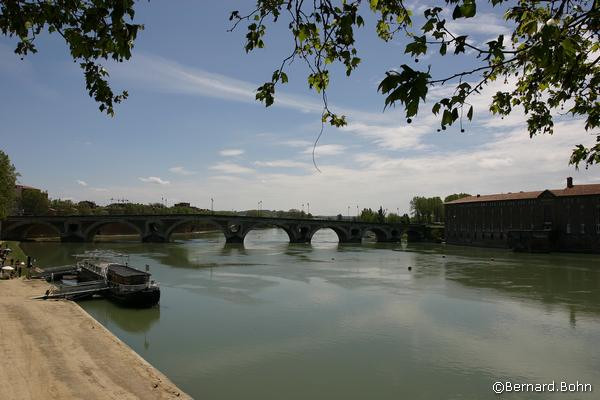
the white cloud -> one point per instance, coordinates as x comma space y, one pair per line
160, 74
483, 24
181, 170
400, 136
169, 76
493, 163
154, 179
294, 143
326, 150
81, 183
282, 164
231, 168
508, 161
231, 152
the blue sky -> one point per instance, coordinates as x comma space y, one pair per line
191, 130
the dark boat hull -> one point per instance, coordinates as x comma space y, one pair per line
138, 299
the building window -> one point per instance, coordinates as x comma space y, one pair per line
582, 228
569, 228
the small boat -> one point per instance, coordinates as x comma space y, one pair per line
127, 286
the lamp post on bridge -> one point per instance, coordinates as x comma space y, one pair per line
302, 207
307, 208
212, 203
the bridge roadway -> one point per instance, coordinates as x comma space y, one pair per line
159, 228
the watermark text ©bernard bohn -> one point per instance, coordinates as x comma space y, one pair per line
554, 386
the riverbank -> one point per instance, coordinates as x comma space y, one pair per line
55, 350
17, 252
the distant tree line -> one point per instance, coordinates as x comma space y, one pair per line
36, 202
431, 209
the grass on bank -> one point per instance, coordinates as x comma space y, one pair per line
17, 252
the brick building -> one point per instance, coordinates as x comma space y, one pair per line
565, 219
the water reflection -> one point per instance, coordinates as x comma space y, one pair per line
570, 280
301, 321
127, 319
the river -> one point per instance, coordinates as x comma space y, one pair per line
271, 320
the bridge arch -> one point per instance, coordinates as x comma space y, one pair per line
414, 235
20, 231
93, 229
283, 227
380, 234
342, 235
179, 224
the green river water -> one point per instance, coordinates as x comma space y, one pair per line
271, 320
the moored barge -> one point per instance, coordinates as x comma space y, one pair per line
126, 285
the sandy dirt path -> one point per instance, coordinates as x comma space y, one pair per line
55, 350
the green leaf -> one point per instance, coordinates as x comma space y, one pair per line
469, 9
570, 47
457, 13
446, 118
417, 47
443, 49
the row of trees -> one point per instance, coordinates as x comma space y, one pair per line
36, 202
431, 209
382, 216
8, 179
427, 209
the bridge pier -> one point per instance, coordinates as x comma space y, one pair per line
354, 240
298, 233
234, 239
70, 238
299, 241
154, 238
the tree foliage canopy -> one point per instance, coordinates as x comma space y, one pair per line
427, 209
8, 179
455, 196
34, 202
93, 30
552, 55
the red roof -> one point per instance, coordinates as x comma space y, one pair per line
575, 190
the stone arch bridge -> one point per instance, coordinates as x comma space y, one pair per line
159, 228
